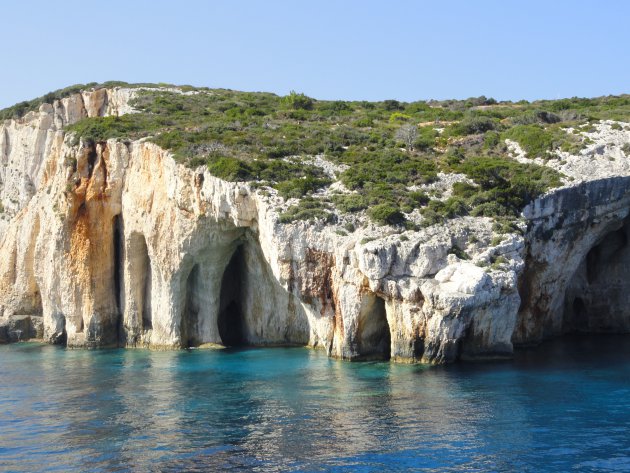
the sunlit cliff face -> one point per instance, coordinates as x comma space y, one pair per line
115, 244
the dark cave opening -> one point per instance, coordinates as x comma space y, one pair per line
230, 319
374, 337
604, 254
91, 159
147, 318
597, 298
118, 262
141, 278
190, 315
118, 277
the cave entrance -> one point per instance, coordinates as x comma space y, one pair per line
230, 319
190, 315
140, 279
118, 258
93, 329
373, 335
597, 298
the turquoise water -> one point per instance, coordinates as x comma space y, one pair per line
562, 407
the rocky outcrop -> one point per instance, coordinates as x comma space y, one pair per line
26, 144
115, 244
576, 277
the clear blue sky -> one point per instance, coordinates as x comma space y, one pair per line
329, 49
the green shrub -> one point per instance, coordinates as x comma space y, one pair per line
417, 199
431, 217
457, 251
504, 187
464, 189
350, 202
398, 117
307, 209
537, 141
386, 214
99, 129
498, 262
536, 116
301, 186
491, 139
386, 166
497, 240
534, 140
473, 125
298, 101
450, 208
364, 122
229, 169
502, 227
392, 105
427, 136
337, 107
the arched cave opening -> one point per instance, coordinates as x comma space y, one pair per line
140, 278
597, 298
230, 319
373, 335
190, 315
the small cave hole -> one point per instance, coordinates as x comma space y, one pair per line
118, 261
38, 308
190, 316
91, 159
374, 337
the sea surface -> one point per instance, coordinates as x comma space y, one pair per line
564, 406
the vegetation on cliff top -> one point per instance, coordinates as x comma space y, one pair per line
383, 151
20, 109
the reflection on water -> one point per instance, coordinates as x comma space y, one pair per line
564, 406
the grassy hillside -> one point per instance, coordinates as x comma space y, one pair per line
384, 150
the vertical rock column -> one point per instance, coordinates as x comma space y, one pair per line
92, 257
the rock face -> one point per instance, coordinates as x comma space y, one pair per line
578, 262
115, 244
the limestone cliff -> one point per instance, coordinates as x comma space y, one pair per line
115, 244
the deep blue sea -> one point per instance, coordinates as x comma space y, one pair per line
564, 406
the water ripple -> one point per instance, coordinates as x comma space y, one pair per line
554, 409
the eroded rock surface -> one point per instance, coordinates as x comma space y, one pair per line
576, 277
116, 244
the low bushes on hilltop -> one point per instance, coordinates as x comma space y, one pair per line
390, 148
